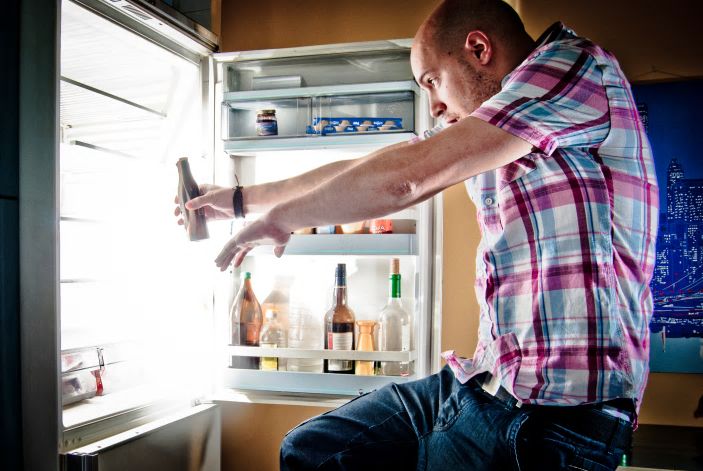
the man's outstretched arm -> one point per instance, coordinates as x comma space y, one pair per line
217, 201
384, 182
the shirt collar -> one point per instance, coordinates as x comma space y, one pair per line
557, 31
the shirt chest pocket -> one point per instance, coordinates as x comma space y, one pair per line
514, 171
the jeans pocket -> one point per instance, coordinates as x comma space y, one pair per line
542, 445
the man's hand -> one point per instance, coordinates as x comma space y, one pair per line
265, 231
216, 202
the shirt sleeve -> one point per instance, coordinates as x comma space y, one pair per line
554, 99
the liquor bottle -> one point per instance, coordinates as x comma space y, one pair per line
395, 332
194, 221
339, 324
245, 321
272, 336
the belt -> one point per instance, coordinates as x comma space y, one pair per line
620, 408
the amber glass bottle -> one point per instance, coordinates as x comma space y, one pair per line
245, 320
339, 324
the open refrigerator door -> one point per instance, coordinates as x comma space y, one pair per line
135, 295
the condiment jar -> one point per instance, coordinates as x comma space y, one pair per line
266, 123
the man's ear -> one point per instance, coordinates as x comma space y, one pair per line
479, 47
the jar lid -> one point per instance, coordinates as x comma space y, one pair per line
266, 112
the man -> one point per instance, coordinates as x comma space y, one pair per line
547, 138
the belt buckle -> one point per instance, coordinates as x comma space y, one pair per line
491, 384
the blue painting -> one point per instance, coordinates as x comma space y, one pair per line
671, 113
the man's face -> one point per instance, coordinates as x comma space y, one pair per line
454, 86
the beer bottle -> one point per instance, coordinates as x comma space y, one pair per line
245, 322
339, 324
195, 223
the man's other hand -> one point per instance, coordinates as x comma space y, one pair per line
264, 231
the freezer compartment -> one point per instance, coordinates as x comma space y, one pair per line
318, 70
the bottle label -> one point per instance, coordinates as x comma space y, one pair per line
340, 341
252, 333
405, 338
269, 363
267, 128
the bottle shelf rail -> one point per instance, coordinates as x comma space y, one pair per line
308, 383
347, 244
234, 350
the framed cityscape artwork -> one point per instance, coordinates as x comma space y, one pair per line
671, 113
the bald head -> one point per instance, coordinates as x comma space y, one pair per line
446, 28
462, 52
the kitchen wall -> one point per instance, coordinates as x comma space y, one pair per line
643, 34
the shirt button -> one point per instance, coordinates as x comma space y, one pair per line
488, 201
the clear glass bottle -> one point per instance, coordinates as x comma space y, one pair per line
194, 221
339, 324
278, 300
245, 321
272, 336
395, 332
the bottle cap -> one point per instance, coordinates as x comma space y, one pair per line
395, 266
247, 275
340, 274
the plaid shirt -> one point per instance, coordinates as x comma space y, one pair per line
568, 232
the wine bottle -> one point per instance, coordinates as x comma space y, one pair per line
339, 324
245, 321
194, 221
395, 334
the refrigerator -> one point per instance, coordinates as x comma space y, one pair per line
126, 336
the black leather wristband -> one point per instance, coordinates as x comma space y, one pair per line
238, 202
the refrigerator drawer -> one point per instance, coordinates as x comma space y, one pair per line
183, 441
351, 110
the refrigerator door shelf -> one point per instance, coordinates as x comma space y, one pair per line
310, 383
363, 89
321, 354
347, 244
249, 147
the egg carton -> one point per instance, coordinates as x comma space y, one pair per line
322, 125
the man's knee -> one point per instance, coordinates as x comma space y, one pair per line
295, 450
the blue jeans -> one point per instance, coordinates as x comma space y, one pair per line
437, 423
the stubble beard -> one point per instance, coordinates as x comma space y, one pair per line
480, 86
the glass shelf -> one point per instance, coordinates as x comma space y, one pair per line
347, 244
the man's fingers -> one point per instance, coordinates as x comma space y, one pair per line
181, 222
239, 258
198, 202
229, 250
278, 250
177, 211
